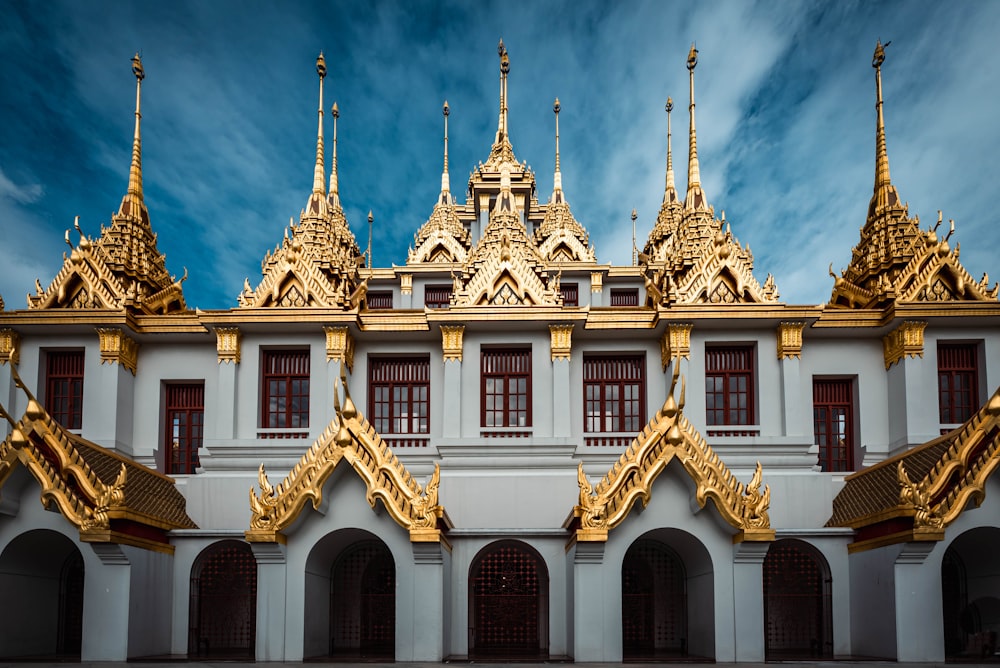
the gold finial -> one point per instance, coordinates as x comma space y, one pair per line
695, 197
557, 179
634, 248
445, 182
135, 171
504, 70
318, 170
334, 197
692, 60
137, 70
371, 221
882, 179
670, 190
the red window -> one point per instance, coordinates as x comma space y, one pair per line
614, 393
64, 387
437, 296
185, 426
833, 420
958, 382
379, 299
286, 389
506, 386
624, 297
570, 294
399, 395
729, 385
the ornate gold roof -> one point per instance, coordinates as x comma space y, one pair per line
895, 260
691, 257
109, 498
668, 435
351, 438
123, 268
915, 495
318, 264
505, 267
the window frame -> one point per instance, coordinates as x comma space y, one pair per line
624, 297
417, 367
830, 394
727, 373
622, 421
185, 399
65, 366
379, 300
957, 360
441, 296
289, 394
505, 365
570, 294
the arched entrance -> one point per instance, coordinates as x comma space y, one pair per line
970, 596
509, 602
223, 610
43, 572
654, 603
797, 605
363, 603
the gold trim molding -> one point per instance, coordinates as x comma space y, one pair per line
117, 348
451, 342
675, 343
406, 284
227, 344
907, 340
10, 346
790, 339
562, 342
340, 346
596, 281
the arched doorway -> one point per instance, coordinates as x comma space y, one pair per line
508, 610
363, 603
654, 603
970, 598
797, 605
223, 609
43, 572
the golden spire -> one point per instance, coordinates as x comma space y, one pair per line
334, 199
445, 182
557, 194
884, 194
670, 192
504, 69
695, 197
318, 172
134, 192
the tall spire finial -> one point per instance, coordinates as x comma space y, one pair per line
504, 70
557, 195
445, 182
334, 198
135, 171
318, 172
670, 191
881, 154
695, 197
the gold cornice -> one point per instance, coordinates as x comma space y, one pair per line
561, 341
675, 343
907, 340
451, 342
394, 321
596, 281
406, 284
340, 346
614, 317
228, 344
10, 346
789, 337
117, 348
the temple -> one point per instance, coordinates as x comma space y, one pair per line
500, 447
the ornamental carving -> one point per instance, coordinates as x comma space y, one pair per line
451, 342
790, 340
406, 284
351, 438
907, 340
117, 348
562, 344
228, 342
596, 281
10, 346
667, 436
675, 343
340, 346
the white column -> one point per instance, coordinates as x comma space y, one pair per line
271, 567
428, 592
919, 630
106, 605
748, 599
596, 634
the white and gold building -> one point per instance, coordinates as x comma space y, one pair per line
503, 447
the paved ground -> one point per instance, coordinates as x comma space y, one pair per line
234, 664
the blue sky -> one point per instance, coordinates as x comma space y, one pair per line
785, 117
